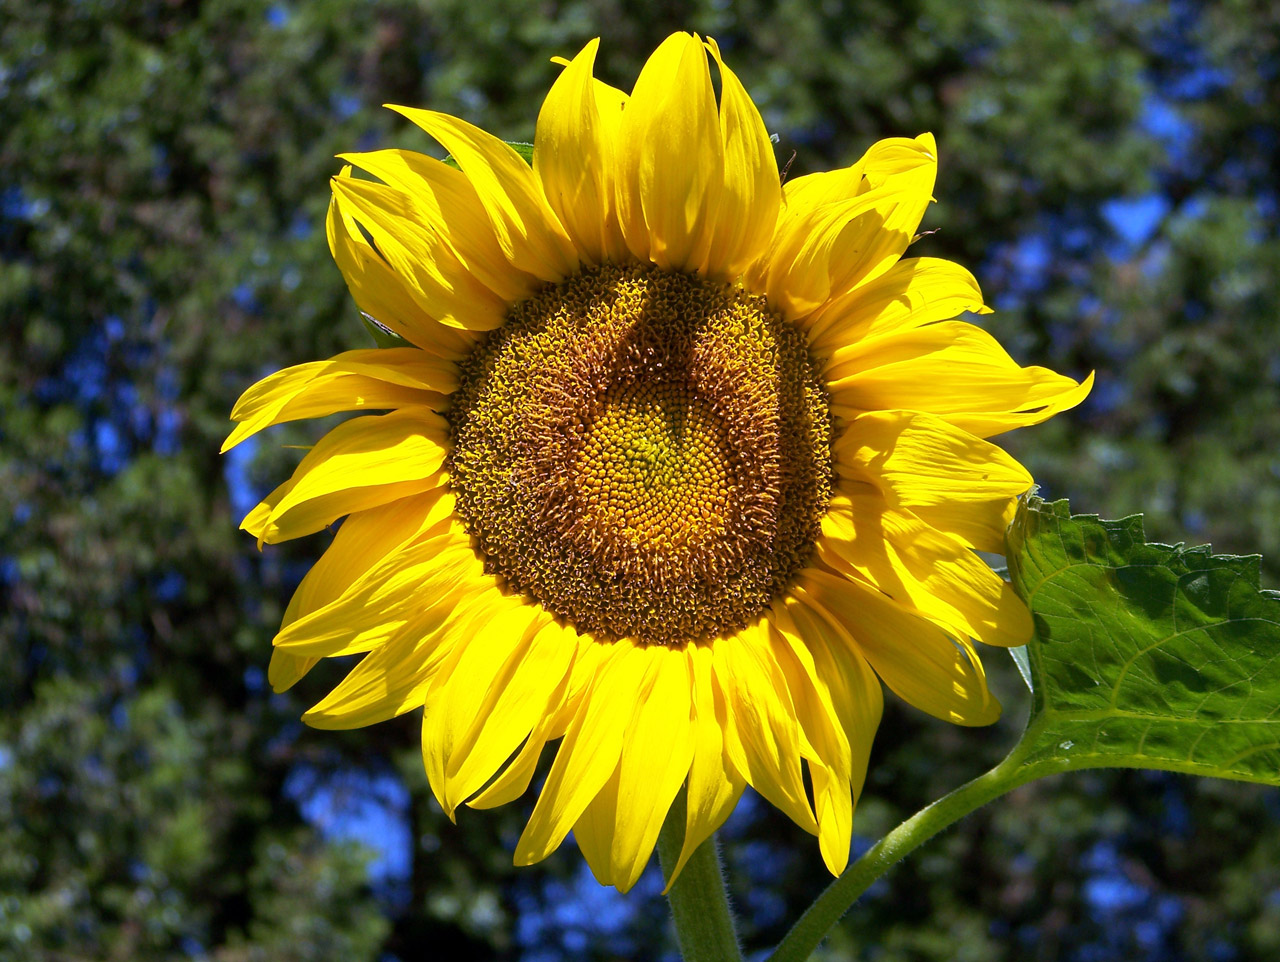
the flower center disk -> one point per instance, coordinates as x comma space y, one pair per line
645, 453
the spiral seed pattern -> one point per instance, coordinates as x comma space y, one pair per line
645, 453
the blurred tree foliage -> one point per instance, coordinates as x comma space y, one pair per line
1108, 170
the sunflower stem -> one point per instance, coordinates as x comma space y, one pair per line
699, 900
825, 912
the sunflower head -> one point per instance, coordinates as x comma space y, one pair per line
679, 464
645, 453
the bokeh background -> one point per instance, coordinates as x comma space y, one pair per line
1109, 171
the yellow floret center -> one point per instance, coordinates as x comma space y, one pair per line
654, 472
644, 453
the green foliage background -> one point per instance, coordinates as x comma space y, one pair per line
163, 178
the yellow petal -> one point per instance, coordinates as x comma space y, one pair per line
348, 382
802, 195
363, 540
949, 479
325, 395
360, 464
485, 658
921, 568
656, 755
419, 256
382, 295
595, 828
527, 230
618, 829
825, 743
891, 157
285, 669
907, 171
395, 678
590, 750
799, 265
979, 524
912, 293
416, 584
919, 460
714, 785
914, 658
850, 683
954, 370
671, 158
446, 203
573, 156
610, 104
514, 780
514, 699
752, 190
762, 735
833, 235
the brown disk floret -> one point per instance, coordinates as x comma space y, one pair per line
644, 453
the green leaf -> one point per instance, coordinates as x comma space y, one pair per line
1023, 661
382, 336
519, 146
523, 149
1144, 655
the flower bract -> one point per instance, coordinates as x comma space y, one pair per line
679, 464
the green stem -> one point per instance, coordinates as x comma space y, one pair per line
699, 902
818, 919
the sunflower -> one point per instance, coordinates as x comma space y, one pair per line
679, 464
